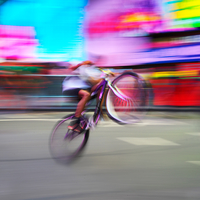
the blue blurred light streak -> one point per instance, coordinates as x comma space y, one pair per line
58, 25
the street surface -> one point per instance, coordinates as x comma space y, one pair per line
157, 159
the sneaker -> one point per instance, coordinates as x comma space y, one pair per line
78, 129
74, 123
81, 126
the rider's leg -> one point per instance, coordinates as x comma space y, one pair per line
75, 124
85, 97
94, 87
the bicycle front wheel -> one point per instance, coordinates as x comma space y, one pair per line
66, 145
131, 108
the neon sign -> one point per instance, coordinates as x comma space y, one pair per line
109, 23
17, 42
182, 13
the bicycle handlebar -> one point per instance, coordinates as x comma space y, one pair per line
107, 72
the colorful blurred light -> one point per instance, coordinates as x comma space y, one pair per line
58, 25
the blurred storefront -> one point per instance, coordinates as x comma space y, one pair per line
176, 84
158, 39
39, 85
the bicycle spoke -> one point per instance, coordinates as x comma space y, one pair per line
130, 87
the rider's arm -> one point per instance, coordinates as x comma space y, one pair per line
94, 81
74, 67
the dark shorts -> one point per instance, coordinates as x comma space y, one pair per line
74, 92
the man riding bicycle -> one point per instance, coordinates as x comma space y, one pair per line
82, 86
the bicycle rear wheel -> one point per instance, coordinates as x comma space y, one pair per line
65, 145
132, 108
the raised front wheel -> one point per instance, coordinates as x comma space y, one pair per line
132, 106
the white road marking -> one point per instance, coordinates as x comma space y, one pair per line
194, 162
110, 123
151, 141
12, 120
194, 134
155, 122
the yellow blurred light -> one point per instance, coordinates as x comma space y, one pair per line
187, 4
139, 18
162, 74
187, 73
189, 13
142, 18
128, 18
154, 18
175, 74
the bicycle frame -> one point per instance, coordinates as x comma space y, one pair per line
97, 111
99, 92
102, 86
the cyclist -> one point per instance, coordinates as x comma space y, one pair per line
82, 86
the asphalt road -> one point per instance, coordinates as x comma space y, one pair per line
158, 159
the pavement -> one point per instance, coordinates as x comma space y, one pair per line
157, 159
60, 113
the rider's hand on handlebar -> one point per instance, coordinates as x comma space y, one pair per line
108, 72
111, 73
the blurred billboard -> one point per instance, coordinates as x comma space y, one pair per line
159, 39
18, 42
134, 31
55, 25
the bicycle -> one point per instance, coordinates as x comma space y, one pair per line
125, 103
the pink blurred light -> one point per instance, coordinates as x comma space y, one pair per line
17, 42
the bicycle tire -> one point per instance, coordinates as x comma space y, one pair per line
132, 109
59, 143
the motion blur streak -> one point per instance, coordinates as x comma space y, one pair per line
155, 159
57, 24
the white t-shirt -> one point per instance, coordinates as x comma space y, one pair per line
83, 73
86, 72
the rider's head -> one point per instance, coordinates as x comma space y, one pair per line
87, 62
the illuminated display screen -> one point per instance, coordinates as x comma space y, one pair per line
141, 17
17, 42
181, 14
57, 25
127, 18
